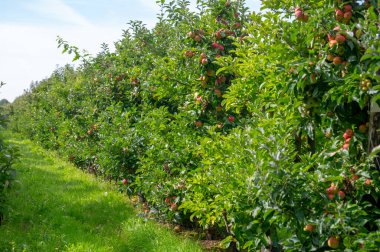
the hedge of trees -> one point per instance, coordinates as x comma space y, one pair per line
8, 156
258, 128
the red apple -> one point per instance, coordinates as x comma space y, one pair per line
197, 38
363, 128
349, 133
347, 8
345, 146
333, 242
332, 43
337, 60
218, 92
204, 61
125, 181
299, 14
341, 194
198, 124
340, 38
231, 118
339, 15
309, 228
368, 182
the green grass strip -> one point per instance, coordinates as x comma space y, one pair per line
55, 207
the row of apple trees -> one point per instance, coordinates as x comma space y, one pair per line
8, 156
256, 127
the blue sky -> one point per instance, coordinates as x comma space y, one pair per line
29, 28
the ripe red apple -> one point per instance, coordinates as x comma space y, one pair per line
309, 228
341, 194
298, 14
347, 7
332, 43
333, 242
173, 206
337, 60
218, 92
347, 16
339, 14
331, 196
340, 38
345, 146
189, 54
197, 38
124, 181
355, 177
198, 124
204, 61
203, 55
167, 201
368, 182
221, 47
231, 118
215, 45
349, 133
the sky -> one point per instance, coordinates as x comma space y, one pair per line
29, 29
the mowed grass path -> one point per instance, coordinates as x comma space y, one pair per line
55, 207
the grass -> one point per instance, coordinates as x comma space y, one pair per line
55, 207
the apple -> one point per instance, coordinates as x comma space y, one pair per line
198, 124
218, 92
203, 55
173, 206
333, 242
298, 14
339, 14
345, 146
231, 118
309, 228
189, 54
347, 8
215, 45
368, 182
337, 60
347, 16
221, 48
167, 201
197, 38
330, 57
204, 61
191, 34
332, 43
349, 133
331, 196
124, 181
340, 38
355, 177
341, 194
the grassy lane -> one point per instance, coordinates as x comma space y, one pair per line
56, 207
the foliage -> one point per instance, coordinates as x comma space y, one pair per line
252, 126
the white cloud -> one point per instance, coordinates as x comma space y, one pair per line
58, 10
